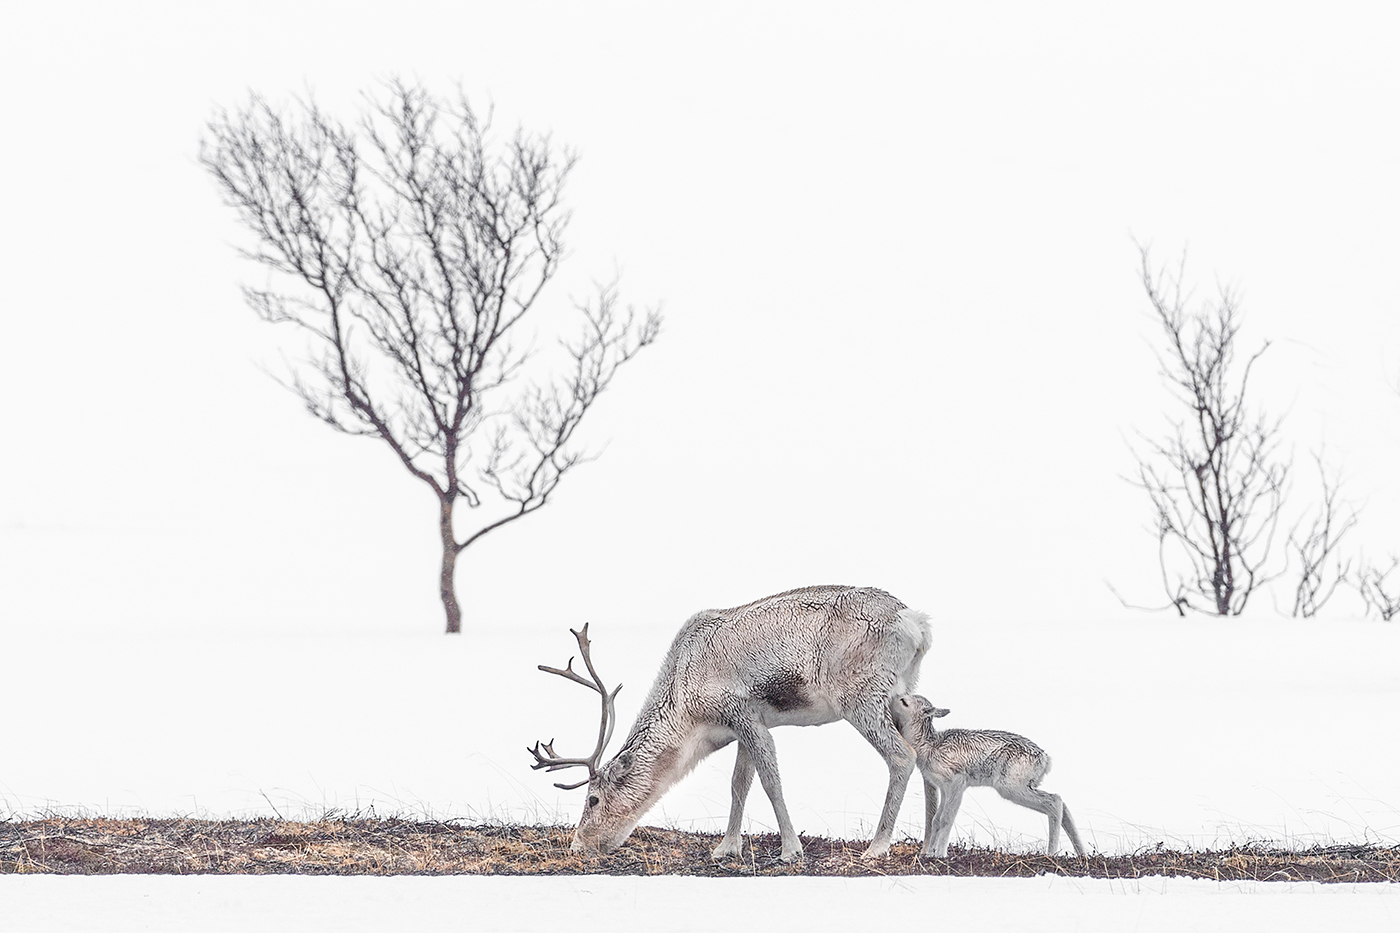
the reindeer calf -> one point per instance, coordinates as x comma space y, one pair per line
952, 760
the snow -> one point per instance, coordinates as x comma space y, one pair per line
905, 346
1194, 733
272, 904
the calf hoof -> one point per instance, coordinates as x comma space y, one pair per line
876, 850
791, 855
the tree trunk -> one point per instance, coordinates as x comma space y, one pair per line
1225, 573
447, 585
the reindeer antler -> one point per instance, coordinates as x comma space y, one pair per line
552, 762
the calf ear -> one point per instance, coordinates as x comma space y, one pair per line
937, 713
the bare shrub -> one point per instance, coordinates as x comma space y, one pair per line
1321, 570
1217, 482
1377, 591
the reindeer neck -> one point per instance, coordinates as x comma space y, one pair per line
665, 744
927, 731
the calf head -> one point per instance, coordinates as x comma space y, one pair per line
911, 708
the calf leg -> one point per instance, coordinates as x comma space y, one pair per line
732, 843
930, 809
1071, 831
936, 843
1049, 804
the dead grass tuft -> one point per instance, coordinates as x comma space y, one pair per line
358, 846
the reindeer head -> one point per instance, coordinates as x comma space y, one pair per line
911, 709
617, 794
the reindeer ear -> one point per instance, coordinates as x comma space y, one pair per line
937, 713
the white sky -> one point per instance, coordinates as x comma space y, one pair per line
904, 343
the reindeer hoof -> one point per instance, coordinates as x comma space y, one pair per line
876, 851
727, 849
792, 855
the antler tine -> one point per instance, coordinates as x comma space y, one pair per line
605, 728
583, 645
549, 760
553, 762
574, 786
611, 714
568, 672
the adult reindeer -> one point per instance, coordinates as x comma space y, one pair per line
801, 658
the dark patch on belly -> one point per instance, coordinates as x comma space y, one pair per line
783, 692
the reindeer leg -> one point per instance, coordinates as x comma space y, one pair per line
757, 741
733, 843
875, 723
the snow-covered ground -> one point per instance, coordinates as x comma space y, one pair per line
1192, 733
283, 903
906, 345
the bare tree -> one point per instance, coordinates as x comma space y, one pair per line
1376, 592
1217, 482
1315, 549
408, 248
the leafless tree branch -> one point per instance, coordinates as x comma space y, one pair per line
1320, 571
407, 248
1217, 482
1376, 590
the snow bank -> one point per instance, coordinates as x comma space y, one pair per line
1194, 733
236, 903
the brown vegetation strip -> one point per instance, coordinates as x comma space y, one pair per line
354, 846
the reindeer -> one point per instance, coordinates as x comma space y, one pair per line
952, 760
805, 657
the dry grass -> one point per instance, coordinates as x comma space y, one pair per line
356, 846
